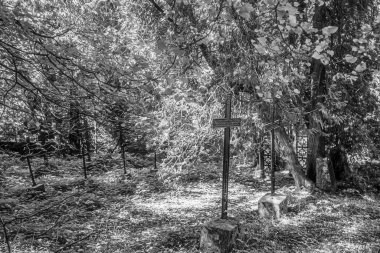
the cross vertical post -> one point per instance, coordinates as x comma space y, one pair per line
226, 123
272, 149
226, 162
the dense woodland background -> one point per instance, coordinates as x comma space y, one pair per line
124, 92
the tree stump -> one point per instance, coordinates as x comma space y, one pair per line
323, 180
273, 206
219, 236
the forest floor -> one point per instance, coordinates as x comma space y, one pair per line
146, 213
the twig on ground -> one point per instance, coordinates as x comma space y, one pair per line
75, 242
56, 222
43, 210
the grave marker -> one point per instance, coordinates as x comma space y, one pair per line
226, 123
220, 235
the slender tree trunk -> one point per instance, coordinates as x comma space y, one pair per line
16, 134
6, 238
43, 138
87, 136
30, 171
295, 138
84, 159
122, 147
96, 137
261, 160
74, 125
272, 154
294, 134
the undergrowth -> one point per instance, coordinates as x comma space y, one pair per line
148, 211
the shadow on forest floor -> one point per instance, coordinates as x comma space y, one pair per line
142, 213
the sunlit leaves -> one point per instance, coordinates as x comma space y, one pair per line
350, 59
245, 11
271, 2
317, 56
260, 49
329, 30
293, 20
361, 67
291, 10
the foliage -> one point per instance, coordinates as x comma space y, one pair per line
152, 74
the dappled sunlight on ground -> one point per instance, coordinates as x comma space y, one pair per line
110, 212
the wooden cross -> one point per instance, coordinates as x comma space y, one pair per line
226, 123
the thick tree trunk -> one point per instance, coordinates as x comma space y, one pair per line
315, 147
338, 163
318, 89
332, 176
291, 160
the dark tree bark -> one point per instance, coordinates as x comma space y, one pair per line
338, 163
88, 139
31, 171
261, 158
42, 138
316, 147
122, 146
74, 126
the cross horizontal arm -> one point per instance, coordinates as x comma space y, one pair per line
219, 123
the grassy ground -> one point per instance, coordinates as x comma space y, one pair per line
142, 213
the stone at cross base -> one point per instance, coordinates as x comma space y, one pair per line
220, 235
273, 206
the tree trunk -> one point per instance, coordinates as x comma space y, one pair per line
96, 137
291, 160
315, 146
83, 158
87, 136
332, 176
338, 163
261, 160
42, 138
295, 138
30, 171
74, 125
